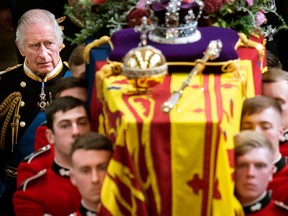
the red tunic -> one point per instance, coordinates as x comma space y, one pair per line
32, 164
266, 207
284, 148
40, 137
47, 192
270, 210
279, 185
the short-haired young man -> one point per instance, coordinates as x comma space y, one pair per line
263, 114
90, 156
253, 171
275, 85
50, 190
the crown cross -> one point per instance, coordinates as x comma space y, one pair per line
144, 28
172, 14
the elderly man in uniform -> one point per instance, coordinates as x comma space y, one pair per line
90, 156
253, 170
50, 190
25, 94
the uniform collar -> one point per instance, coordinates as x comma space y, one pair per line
258, 205
85, 212
61, 171
49, 76
285, 138
279, 165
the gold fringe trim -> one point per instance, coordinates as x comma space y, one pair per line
96, 43
10, 108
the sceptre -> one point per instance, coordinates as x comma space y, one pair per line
212, 52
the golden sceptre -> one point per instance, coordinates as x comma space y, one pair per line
212, 52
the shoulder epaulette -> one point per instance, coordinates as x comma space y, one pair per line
24, 185
66, 64
35, 154
61, 19
9, 69
281, 204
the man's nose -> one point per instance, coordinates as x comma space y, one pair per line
43, 51
251, 170
95, 176
75, 129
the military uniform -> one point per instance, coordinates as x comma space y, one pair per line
21, 100
50, 191
27, 88
40, 137
284, 145
35, 162
266, 207
83, 211
278, 185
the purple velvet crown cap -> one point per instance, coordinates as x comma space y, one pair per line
127, 39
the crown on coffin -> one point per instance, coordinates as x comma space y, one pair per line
175, 21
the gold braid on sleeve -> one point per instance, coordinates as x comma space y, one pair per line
10, 108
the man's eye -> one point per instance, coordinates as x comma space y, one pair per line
102, 167
83, 122
85, 170
66, 125
246, 127
239, 166
48, 43
260, 165
34, 46
266, 127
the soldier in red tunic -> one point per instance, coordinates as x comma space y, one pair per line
253, 170
44, 152
275, 84
90, 156
50, 190
263, 114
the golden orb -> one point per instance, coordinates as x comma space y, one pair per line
144, 67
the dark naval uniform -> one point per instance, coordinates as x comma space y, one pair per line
83, 211
48, 192
278, 185
24, 96
34, 163
266, 207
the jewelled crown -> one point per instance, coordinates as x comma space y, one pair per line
175, 21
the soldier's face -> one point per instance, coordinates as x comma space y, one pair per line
67, 126
267, 122
279, 91
253, 171
41, 49
88, 170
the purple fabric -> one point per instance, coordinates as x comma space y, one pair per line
127, 39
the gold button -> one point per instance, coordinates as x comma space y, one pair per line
22, 124
22, 103
23, 84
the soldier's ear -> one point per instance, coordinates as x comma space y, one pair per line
50, 136
72, 178
62, 47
